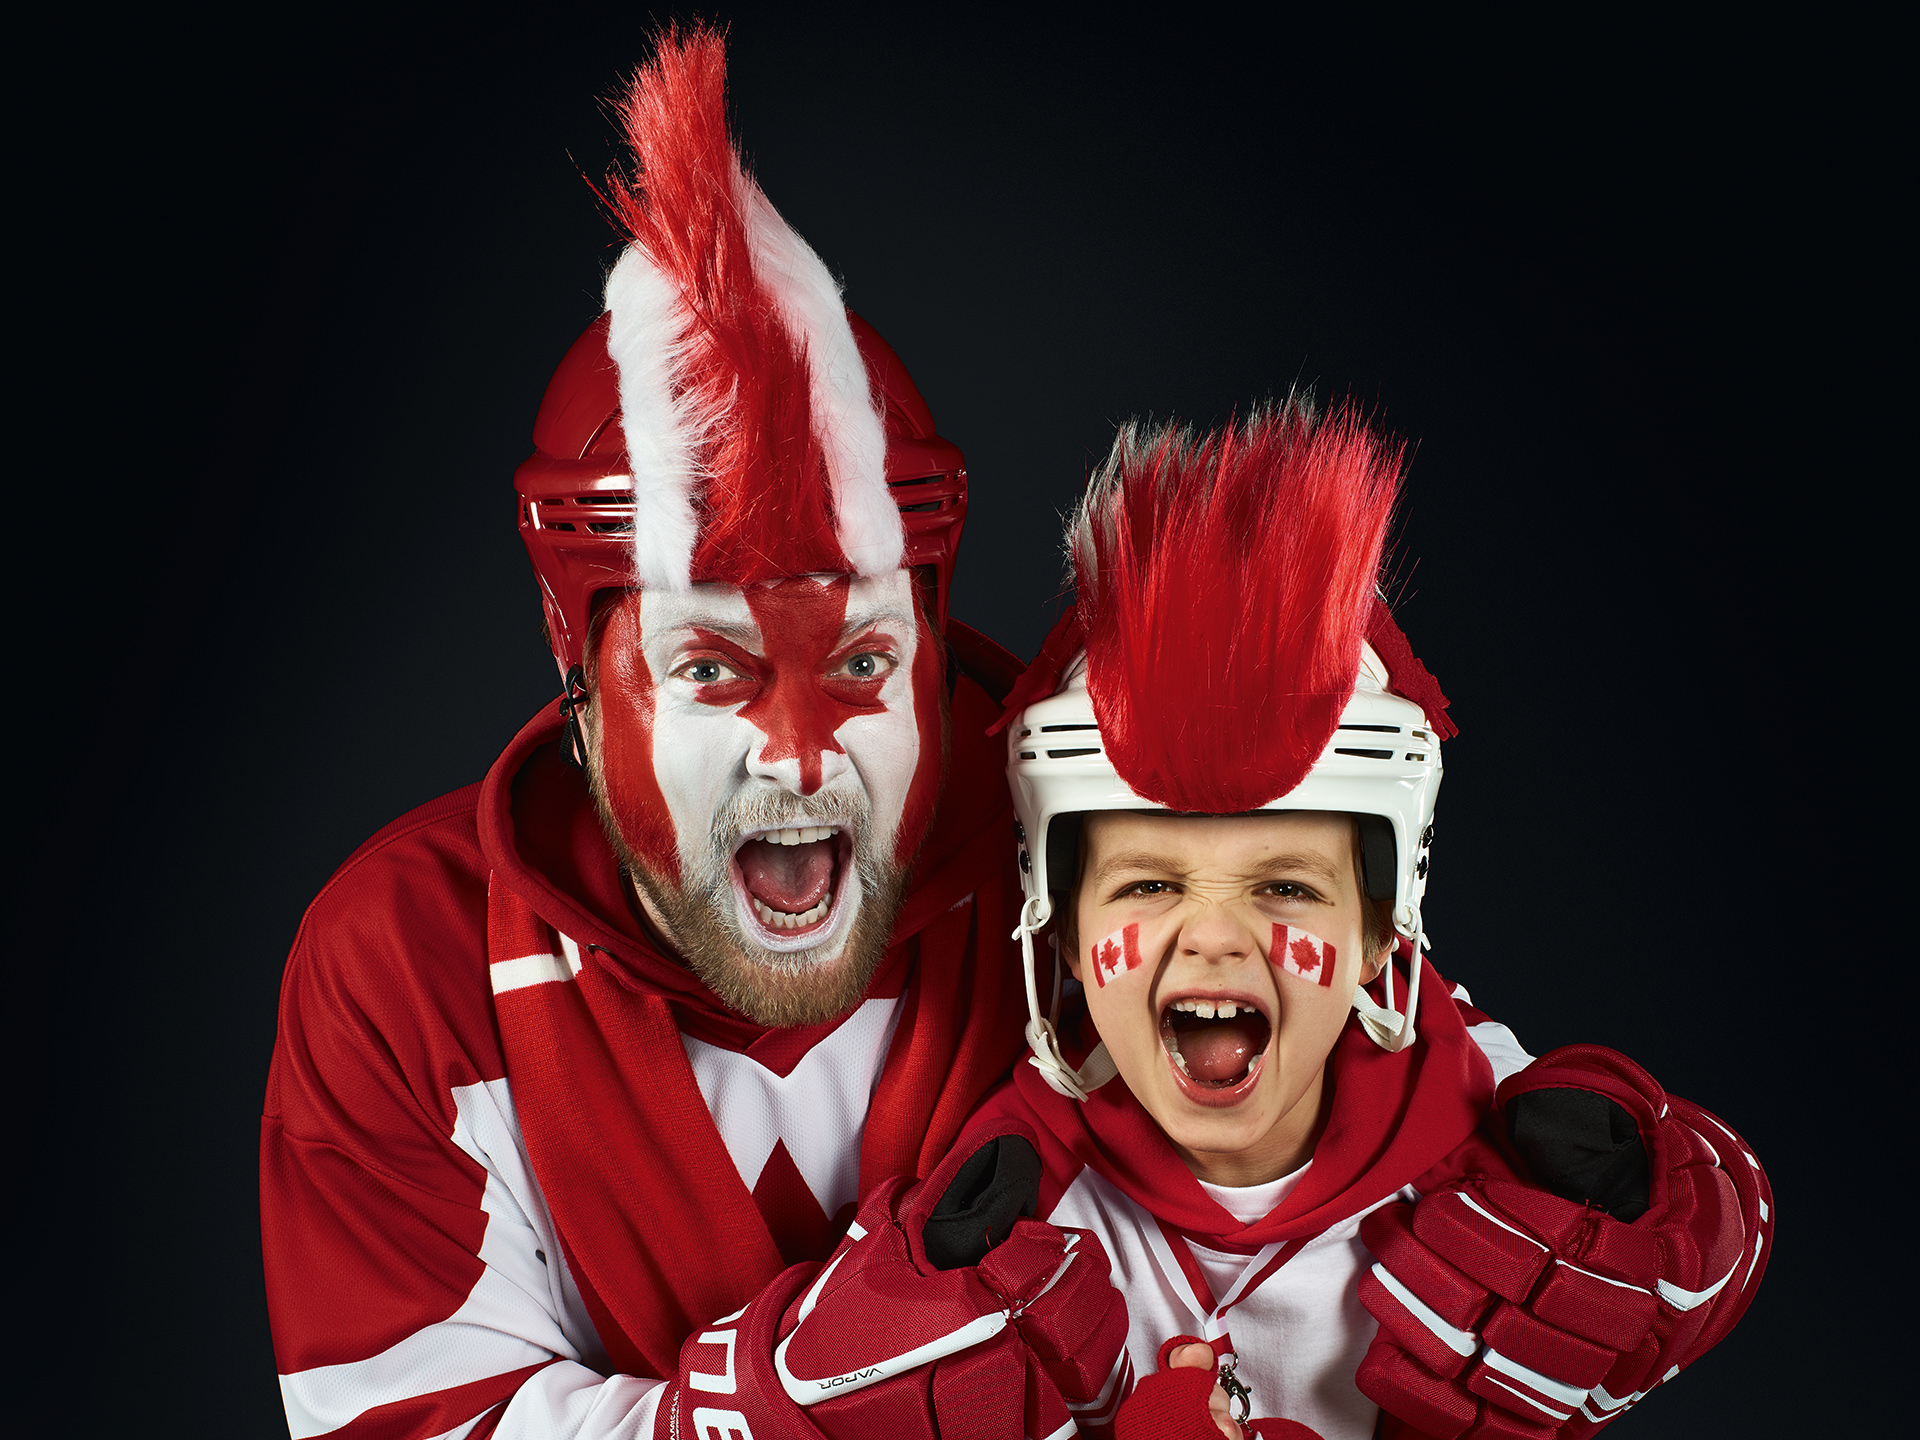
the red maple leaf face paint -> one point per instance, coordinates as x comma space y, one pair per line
802, 698
773, 743
1303, 954
1116, 955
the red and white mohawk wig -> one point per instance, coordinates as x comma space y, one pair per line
756, 447
1226, 584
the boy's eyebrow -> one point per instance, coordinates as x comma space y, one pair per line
1153, 862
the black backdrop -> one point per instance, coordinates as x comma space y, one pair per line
1600, 277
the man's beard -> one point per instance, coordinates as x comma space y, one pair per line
702, 920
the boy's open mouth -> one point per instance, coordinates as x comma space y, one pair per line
1215, 1043
788, 881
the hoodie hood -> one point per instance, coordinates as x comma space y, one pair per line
1394, 1118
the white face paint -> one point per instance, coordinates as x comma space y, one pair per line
805, 711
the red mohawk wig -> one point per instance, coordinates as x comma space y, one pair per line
756, 448
1225, 586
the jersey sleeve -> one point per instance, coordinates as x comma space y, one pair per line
414, 1281
1499, 1044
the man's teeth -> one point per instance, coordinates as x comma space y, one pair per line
779, 919
1211, 1009
804, 835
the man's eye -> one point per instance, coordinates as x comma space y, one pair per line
867, 665
706, 672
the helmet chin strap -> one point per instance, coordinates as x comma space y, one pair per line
573, 744
1388, 1028
1042, 1038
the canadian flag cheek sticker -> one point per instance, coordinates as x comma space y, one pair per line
1302, 953
1115, 955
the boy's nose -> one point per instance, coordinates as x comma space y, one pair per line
1215, 933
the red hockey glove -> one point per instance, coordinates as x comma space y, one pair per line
727, 1388
1021, 1324
1510, 1310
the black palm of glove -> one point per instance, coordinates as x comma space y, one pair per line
1583, 1147
998, 1184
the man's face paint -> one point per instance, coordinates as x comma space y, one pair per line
769, 760
1115, 955
1300, 952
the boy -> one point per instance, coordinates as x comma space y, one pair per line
1225, 813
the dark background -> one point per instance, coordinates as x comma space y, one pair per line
1621, 285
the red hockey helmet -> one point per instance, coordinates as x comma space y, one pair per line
575, 492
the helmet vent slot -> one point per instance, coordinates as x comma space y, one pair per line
622, 497
1367, 754
1050, 729
1069, 754
1378, 729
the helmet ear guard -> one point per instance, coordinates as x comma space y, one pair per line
1376, 855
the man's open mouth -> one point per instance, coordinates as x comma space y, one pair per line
1216, 1044
788, 882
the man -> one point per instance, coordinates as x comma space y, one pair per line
573, 1061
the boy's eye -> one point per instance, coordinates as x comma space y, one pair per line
867, 665
1149, 887
1290, 890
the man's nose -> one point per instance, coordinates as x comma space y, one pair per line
803, 773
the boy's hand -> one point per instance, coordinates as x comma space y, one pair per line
1184, 1400
1559, 1305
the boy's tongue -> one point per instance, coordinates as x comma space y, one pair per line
1220, 1050
793, 878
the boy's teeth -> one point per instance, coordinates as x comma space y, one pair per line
1209, 1009
779, 919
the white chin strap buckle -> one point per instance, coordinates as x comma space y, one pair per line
1042, 1039
1391, 1029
